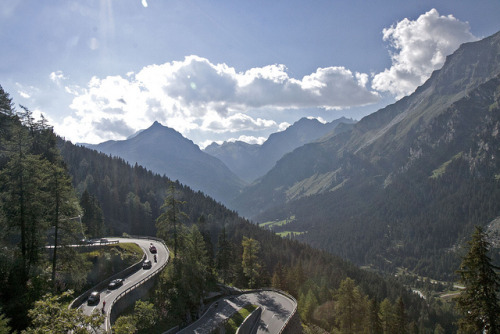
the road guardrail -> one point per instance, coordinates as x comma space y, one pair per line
136, 285
124, 273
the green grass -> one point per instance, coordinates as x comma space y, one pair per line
127, 251
288, 233
441, 169
132, 248
107, 260
237, 319
277, 222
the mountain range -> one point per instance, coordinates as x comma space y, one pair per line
404, 184
166, 152
251, 161
386, 142
402, 187
221, 171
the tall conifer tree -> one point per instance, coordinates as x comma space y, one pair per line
479, 302
168, 222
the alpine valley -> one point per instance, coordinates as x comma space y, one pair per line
405, 185
388, 223
401, 188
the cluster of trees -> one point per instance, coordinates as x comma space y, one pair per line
38, 207
348, 310
144, 318
479, 303
195, 267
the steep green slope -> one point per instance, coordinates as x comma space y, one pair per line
380, 144
417, 215
405, 184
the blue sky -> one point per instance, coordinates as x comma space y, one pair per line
223, 70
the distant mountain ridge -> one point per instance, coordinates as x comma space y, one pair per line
166, 152
409, 179
381, 140
251, 161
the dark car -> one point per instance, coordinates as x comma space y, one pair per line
146, 264
152, 249
115, 284
94, 298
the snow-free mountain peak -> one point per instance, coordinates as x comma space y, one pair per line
165, 151
250, 162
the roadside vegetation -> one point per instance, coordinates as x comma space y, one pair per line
235, 321
108, 260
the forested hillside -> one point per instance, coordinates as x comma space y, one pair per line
405, 185
130, 198
423, 215
38, 207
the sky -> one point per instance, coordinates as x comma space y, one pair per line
223, 70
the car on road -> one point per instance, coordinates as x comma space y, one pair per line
94, 298
152, 249
146, 264
103, 241
115, 284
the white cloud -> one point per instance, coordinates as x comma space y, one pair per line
320, 119
24, 94
26, 91
420, 47
283, 126
195, 94
249, 139
57, 77
235, 123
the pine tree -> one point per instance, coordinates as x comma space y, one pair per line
309, 305
224, 256
24, 178
167, 223
479, 302
401, 321
278, 279
350, 307
387, 316
250, 262
92, 215
63, 206
375, 324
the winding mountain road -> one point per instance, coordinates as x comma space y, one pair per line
109, 297
276, 311
277, 308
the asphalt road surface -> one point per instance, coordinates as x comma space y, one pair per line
109, 296
276, 309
